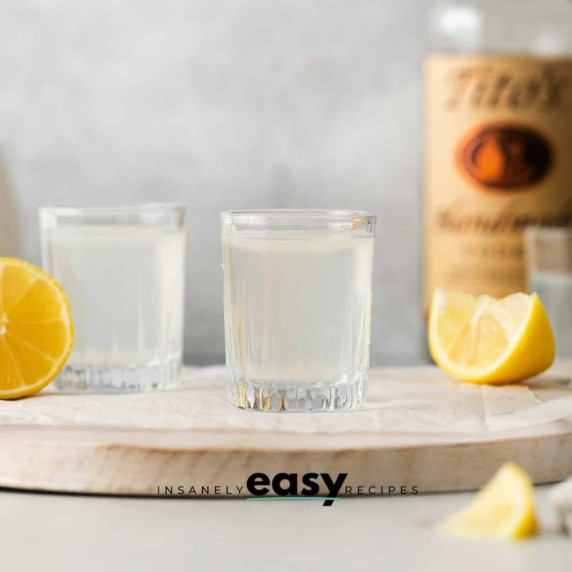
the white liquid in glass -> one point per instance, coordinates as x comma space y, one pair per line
298, 308
125, 287
555, 291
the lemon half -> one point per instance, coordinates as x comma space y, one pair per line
36, 329
488, 340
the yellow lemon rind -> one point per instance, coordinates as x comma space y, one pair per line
510, 482
525, 357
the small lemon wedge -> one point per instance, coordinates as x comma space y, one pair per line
503, 509
488, 340
36, 330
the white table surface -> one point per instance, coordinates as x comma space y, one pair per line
43, 532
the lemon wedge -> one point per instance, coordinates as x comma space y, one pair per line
36, 330
503, 509
488, 340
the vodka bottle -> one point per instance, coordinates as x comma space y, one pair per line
498, 138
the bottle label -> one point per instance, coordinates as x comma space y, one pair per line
498, 158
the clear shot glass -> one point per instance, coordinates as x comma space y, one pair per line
297, 293
123, 272
548, 253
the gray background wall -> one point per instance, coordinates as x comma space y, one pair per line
221, 104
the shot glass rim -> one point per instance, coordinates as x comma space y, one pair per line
548, 232
110, 210
326, 215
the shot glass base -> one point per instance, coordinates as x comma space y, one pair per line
120, 379
288, 396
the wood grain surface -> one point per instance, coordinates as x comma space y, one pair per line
70, 456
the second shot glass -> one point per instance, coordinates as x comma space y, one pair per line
549, 273
123, 270
297, 290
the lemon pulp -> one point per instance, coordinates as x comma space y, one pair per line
36, 329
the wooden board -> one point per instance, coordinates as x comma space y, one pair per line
73, 456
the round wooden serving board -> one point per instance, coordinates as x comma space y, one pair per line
145, 446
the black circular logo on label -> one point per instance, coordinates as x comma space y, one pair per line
505, 157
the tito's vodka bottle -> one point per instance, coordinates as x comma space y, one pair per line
498, 138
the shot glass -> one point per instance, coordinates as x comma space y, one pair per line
297, 293
123, 272
548, 253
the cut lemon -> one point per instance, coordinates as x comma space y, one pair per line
36, 331
488, 340
504, 508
